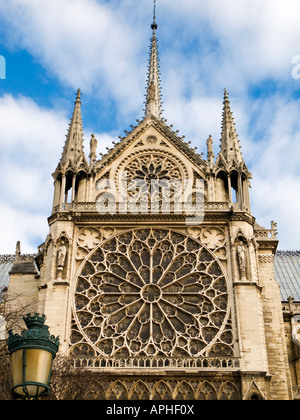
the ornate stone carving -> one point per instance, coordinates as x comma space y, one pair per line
266, 259
213, 237
151, 139
89, 238
194, 232
61, 255
185, 389
151, 292
93, 149
62, 250
151, 175
242, 262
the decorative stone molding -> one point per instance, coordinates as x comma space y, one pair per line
153, 388
160, 363
149, 292
265, 259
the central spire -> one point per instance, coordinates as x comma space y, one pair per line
153, 103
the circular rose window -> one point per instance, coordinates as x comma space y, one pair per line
151, 292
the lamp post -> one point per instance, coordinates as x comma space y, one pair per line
32, 354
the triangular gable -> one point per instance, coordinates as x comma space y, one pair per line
160, 135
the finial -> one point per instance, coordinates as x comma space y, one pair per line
78, 95
18, 250
154, 24
153, 96
225, 94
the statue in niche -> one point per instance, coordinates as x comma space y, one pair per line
61, 256
241, 254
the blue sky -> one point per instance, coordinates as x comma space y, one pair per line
53, 47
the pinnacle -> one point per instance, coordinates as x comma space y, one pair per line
230, 147
78, 95
73, 149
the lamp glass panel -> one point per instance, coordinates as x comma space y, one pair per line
17, 367
38, 365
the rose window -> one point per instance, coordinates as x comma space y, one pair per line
151, 292
152, 178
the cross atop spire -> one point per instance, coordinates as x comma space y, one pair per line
153, 102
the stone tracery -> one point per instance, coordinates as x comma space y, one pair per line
151, 176
151, 292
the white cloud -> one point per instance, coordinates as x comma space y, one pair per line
30, 142
21, 225
101, 47
196, 118
248, 40
81, 42
25, 126
275, 164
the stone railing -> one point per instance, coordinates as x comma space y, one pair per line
213, 206
157, 363
291, 307
265, 234
119, 208
8, 258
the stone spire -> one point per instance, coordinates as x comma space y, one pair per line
153, 102
73, 149
230, 144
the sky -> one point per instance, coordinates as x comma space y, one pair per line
50, 48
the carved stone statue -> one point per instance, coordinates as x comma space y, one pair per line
152, 93
61, 255
241, 254
93, 148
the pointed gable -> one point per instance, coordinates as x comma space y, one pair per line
152, 133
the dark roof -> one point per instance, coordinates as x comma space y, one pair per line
8, 264
24, 267
287, 274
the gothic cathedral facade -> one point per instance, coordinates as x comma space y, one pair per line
170, 293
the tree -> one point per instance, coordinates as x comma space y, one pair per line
11, 315
75, 383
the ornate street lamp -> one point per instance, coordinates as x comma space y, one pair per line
32, 354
